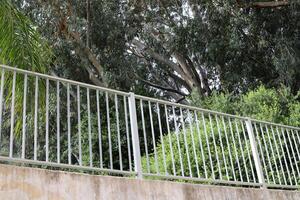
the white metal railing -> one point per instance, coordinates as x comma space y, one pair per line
57, 122
62, 123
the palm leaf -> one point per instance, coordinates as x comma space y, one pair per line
21, 46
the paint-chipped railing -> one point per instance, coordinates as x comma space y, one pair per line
50, 121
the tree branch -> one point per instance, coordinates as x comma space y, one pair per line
159, 57
85, 53
160, 86
271, 4
267, 4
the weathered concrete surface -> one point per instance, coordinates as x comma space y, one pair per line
18, 183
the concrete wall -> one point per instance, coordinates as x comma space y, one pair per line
18, 183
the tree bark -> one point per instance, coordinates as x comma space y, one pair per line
182, 71
96, 75
86, 53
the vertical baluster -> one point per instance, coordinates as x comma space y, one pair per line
47, 120
278, 153
36, 116
118, 132
99, 129
215, 146
24, 116
170, 141
293, 152
58, 121
289, 155
249, 157
1, 101
200, 144
229, 149
145, 136
127, 134
178, 141
69, 123
79, 125
273, 154
222, 147
161, 138
153, 138
296, 135
109, 131
12, 117
193, 143
283, 154
267, 152
235, 150
185, 143
208, 147
241, 148
89, 127
297, 150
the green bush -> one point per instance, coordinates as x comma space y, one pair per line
266, 104
195, 136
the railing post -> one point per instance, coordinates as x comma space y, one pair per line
255, 154
135, 136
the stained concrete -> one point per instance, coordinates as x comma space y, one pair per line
18, 183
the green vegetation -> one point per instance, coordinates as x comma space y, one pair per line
275, 105
265, 104
237, 57
23, 47
168, 49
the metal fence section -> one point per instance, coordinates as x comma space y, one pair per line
57, 122
278, 148
183, 142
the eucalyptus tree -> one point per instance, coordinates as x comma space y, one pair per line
170, 48
208, 45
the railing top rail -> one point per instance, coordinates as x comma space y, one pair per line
8, 68
140, 96
274, 124
187, 107
211, 111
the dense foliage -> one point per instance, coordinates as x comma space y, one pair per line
236, 57
171, 48
266, 104
276, 105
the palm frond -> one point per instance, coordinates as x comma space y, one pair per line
21, 46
